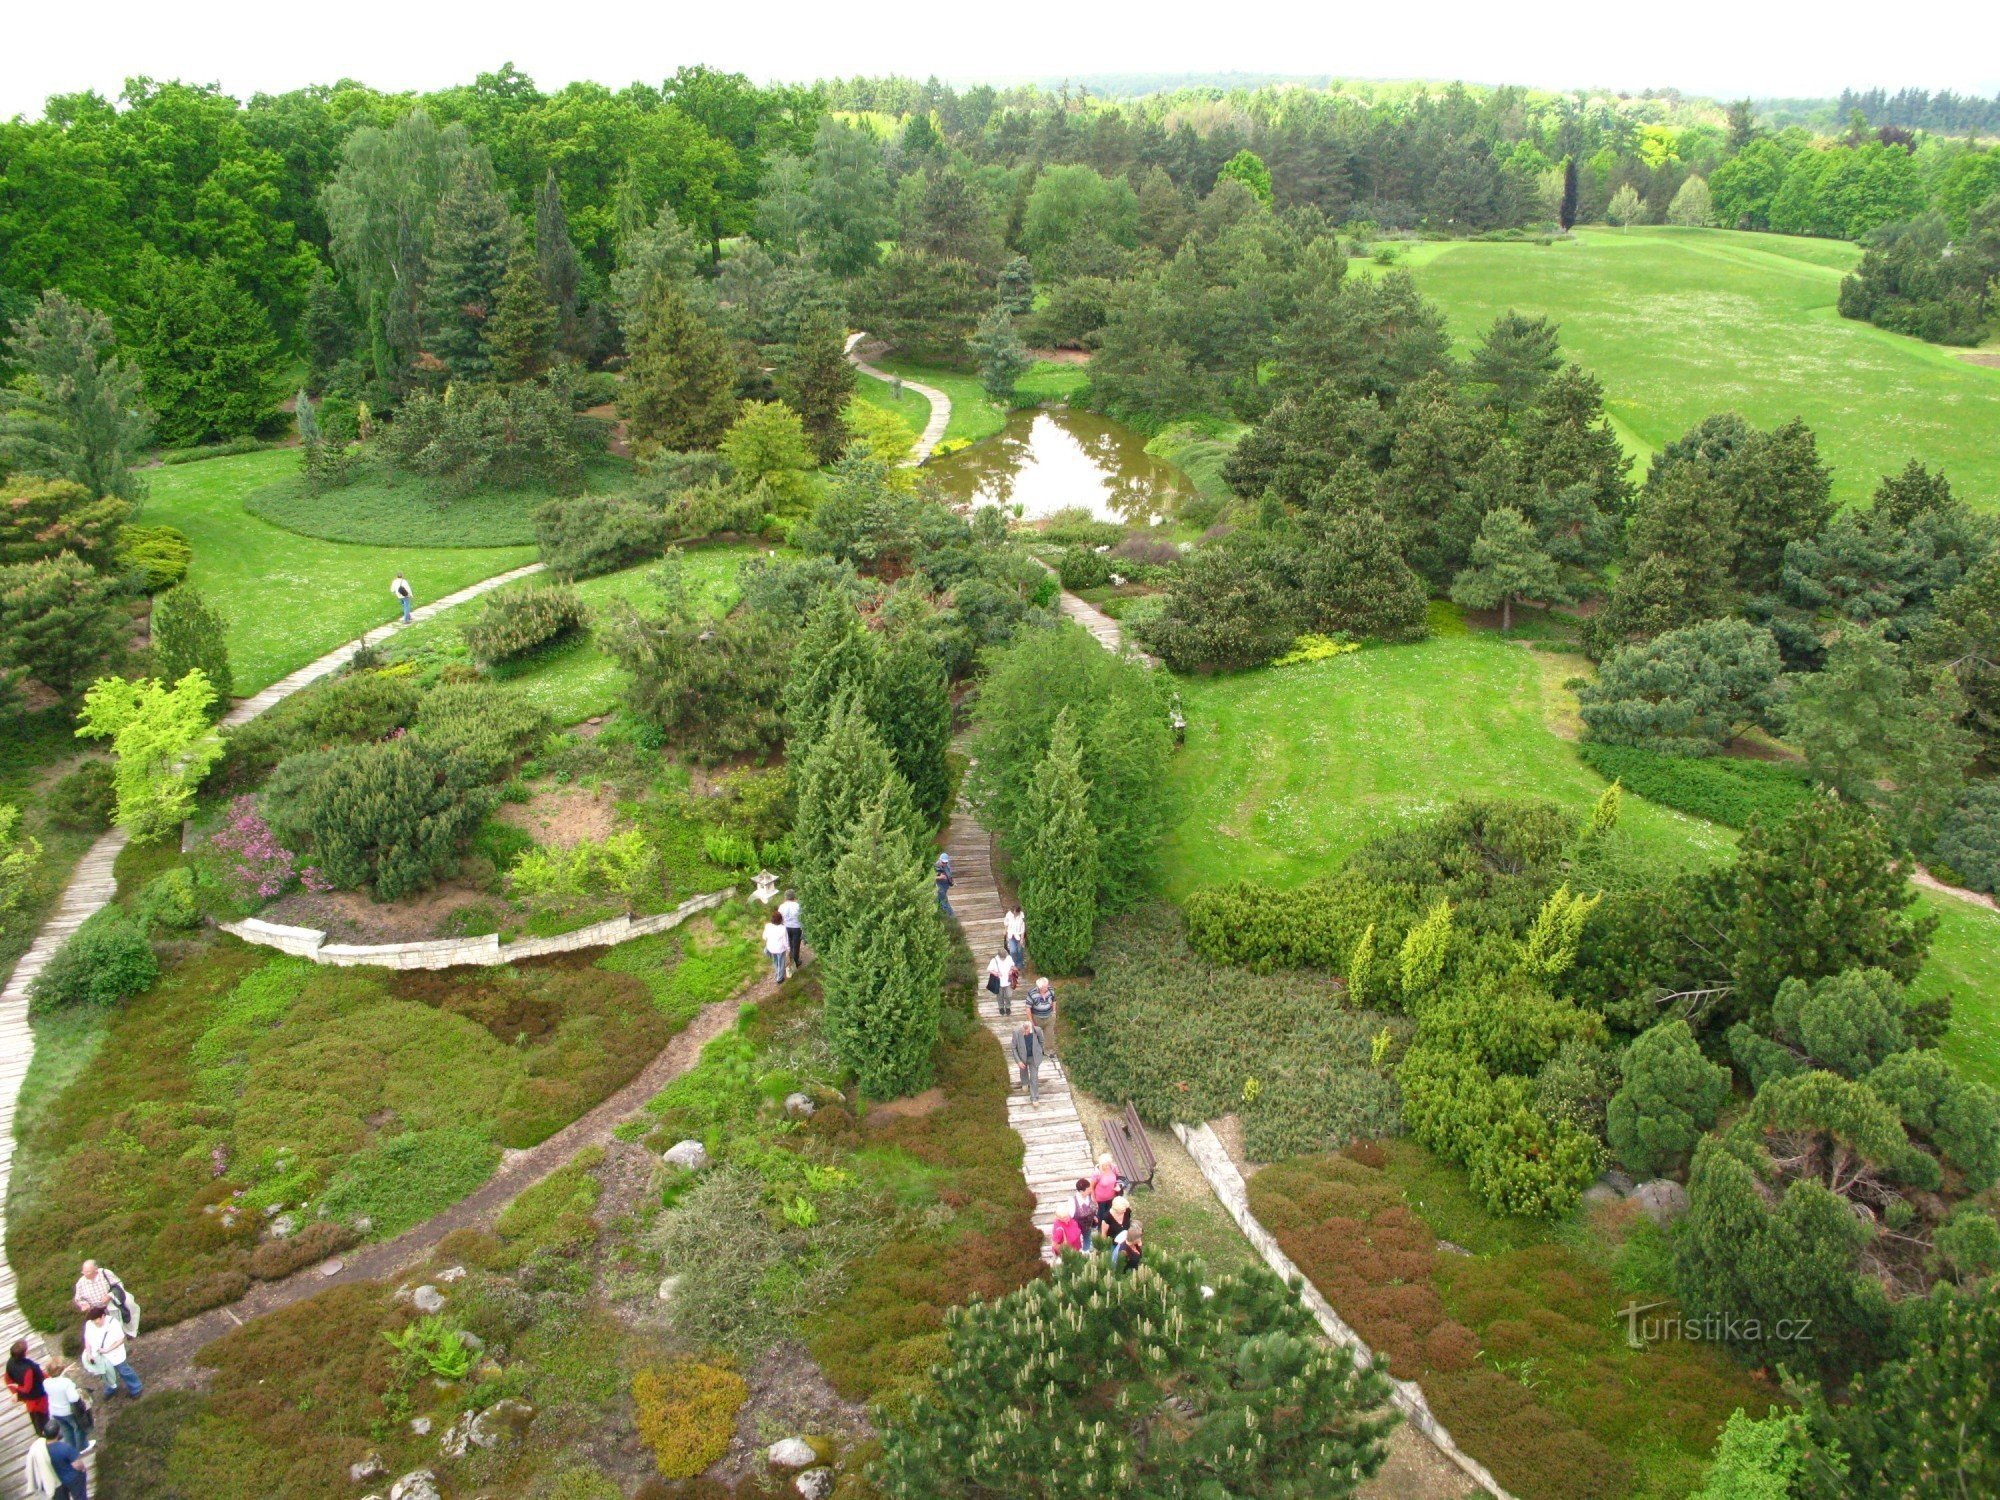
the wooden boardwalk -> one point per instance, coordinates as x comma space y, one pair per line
91, 886
933, 432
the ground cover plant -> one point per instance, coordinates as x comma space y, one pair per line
380, 507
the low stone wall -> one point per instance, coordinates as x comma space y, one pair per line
1209, 1155
452, 953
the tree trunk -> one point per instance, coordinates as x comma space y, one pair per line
1506, 613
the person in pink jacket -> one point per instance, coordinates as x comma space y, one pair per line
1103, 1188
1064, 1234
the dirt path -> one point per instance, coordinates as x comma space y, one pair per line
933, 432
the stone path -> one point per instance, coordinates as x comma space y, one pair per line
933, 432
92, 885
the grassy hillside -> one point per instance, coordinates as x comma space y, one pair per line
1679, 323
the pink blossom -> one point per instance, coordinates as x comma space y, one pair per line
263, 867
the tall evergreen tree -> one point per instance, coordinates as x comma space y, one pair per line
1059, 866
1003, 359
846, 769
884, 964
188, 633
81, 412
910, 703
557, 264
1508, 563
836, 658
325, 333
680, 382
206, 347
1515, 358
1679, 561
472, 241
816, 380
521, 334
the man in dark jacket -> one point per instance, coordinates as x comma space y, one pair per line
1029, 1052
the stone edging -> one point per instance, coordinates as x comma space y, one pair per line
933, 432
1408, 1396
451, 953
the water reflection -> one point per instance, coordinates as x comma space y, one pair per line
1057, 459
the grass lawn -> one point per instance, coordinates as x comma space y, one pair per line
912, 408
291, 598
1052, 380
384, 509
973, 414
577, 679
1965, 962
1680, 323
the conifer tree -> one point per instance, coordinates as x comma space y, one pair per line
1670, 1096
834, 659
521, 333
1516, 357
910, 703
1059, 866
816, 380
557, 264
188, 633
206, 347
1003, 359
680, 382
885, 961
1508, 563
1017, 285
843, 772
325, 334
81, 413
472, 240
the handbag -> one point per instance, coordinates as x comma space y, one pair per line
81, 1414
992, 984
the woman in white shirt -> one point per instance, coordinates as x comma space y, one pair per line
777, 946
1000, 978
104, 1354
1016, 926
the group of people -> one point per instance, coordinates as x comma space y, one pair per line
62, 1416
1099, 1214
784, 938
1031, 1045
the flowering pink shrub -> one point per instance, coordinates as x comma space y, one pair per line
261, 866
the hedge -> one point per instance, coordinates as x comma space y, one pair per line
1722, 789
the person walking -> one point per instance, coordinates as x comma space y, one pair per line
788, 913
29, 1385
777, 946
40, 1469
105, 1357
98, 1287
1083, 1209
1104, 1190
942, 874
67, 1408
1042, 1007
1015, 922
1065, 1233
1029, 1052
1000, 977
400, 587
67, 1460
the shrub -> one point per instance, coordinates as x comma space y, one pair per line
355, 707
623, 864
1669, 1097
84, 799
1084, 568
1313, 926
19, 854
519, 621
169, 900
106, 960
489, 728
1534, 1166
585, 535
408, 1177
495, 436
163, 744
159, 555
1686, 692
686, 1413
1969, 839
1074, 526
61, 623
188, 634
1754, 1459
1722, 789
1310, 647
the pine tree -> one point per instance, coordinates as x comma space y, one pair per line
843, 772
81, 413
680, 382
884, 964
816, 380
910, 703
61, 622
1516, 357
1017, 286
557, 264
521, 333
1508, 563
835, 659
325, 333
1670, 1095
1680, 554
1003, 359
188, 633
472, 240
1059, 866
1566, 215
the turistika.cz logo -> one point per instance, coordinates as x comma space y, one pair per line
1712, 1328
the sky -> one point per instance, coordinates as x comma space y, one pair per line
1726, 48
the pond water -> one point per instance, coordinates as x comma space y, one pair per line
1054, 458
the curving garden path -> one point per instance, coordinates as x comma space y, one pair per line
91, 886
933, 432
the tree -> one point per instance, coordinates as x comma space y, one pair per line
472, 241
885, 962
42, 517
1152, 1376
1374, 336
835, 659
1963, 638
81, 414
164, 744
1003, 359
1059, 874
1515, 357
1687, 692
189, 635
1880, 735
1679, 559
19, 854
816, 379
1248, 168
521, 332
927, 307
1074, 216
839, 778
206, 347
1847, 1023
1017, 285
1692, 207
954, 221
848, 198
1507, 564
1626, 208
680, 383
556, 264
325, 332
1670, 1095
910, 704
766, 445
1351, 578
60, 623
1566, 214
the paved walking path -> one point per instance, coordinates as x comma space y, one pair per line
91, 886
933, 432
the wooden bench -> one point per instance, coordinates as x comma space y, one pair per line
1131, 1152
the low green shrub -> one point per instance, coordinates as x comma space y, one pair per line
490, 728
169, 899
160, 555
217, 450
408, 1177
686, 1413
1314, 926
355, 707
585, 535
1720, 788
106, 960
1084, 568
1968, 842
1077, 527
622, 865
84, 799
522, 620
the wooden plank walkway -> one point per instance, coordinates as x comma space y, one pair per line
1057, 1148
91, 886
933, 432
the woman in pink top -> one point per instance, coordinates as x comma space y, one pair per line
1104, 1187
1064, 1234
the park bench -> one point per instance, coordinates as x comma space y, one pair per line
1131, 1152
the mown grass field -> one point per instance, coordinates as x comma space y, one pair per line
973, 414
290, 598
1680, 323
912, 408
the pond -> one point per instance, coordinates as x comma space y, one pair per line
1055, 458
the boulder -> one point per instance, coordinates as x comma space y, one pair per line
792, 1453
451, 1273
421, 1426
457, 1437
689, 1156
284, 1226
1620, 1182
503, 1419
369, 1468
427, 1299
815, 1484
472, 1341
799, 1106
1662, 1200
334, 1267
1601, 1192
418, 1484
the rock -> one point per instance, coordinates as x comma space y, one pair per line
451, 1273
1601, 1192
272, 1210
364, 1224
1662, 1200
427, 1299
799, 1106
457, 1437
792, 1453
472, 1341
369, 1468
284, 1226
1619, 1182
418, 1484
421, 1426
503, 1419
689, 1156
815, 1484
668, 1287
332, 1267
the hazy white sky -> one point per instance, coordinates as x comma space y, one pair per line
1723, 47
